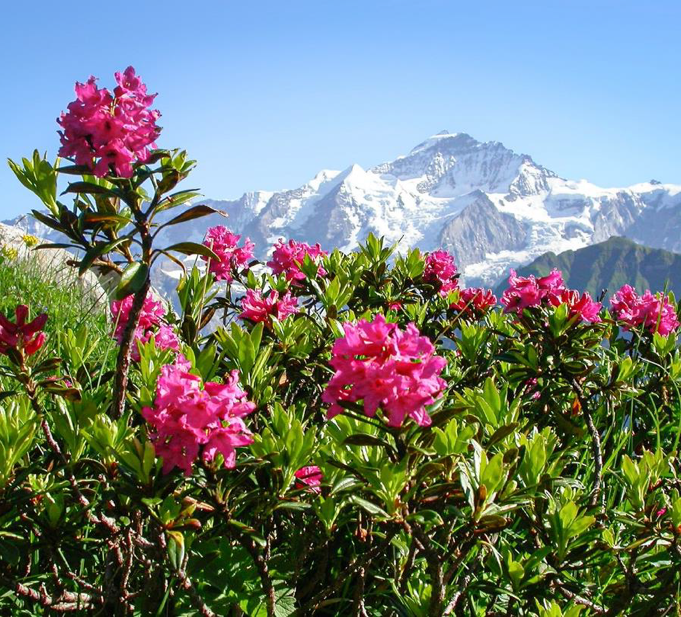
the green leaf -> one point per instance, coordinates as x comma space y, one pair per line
195, 212
362, 439
370, 507
97, 250
492, 476
193, 248
90, 188
132, 280
176, 548
75, 170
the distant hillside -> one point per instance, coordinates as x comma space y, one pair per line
609, 265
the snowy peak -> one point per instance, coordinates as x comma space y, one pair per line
446, 140
490, 206
449, 165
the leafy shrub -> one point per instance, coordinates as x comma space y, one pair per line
359, 436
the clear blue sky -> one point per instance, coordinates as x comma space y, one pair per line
265, 94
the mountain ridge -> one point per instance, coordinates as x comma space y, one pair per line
490, 206
608, 265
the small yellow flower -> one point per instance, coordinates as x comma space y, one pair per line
9, 252
30, 240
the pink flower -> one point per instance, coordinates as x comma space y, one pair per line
22, 336
288, 256
581, 306
117, 129
440, 271
257, 308
527, 292
474, 301
188, 420
395, 306
385, 367
531, 388
224, 244
166, 338
626, 305
654, 312
151, 315
309, 477
151, 323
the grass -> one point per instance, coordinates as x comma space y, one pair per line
45, 283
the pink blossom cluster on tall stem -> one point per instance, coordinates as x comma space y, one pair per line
151, 323
378, 363
114, 129
287, 258
232, 257
550, 290
440, 271
189, 420
21, 336
474, 301
257, 307
654, 312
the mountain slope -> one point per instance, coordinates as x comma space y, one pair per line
491, 207
609, 265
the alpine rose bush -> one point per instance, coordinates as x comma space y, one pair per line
440, 271
188, 419
256, 307
456, 460
385, 367
288, 256
225, 245
653, 312
117, 129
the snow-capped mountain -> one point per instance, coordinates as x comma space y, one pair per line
492, 208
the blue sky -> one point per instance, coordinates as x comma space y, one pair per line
265, 94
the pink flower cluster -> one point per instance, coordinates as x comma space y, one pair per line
256, 307
440, 271
474, 301
385, 367
288, 256
654, 312
309, 478
550, 290
150, 324
224, 244
525, 292
188, 419
22, 336
578, 304
118, 129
